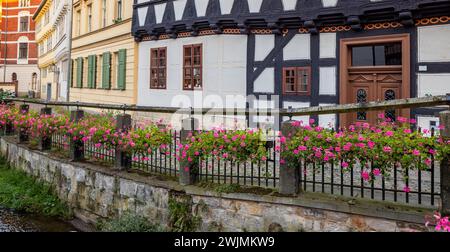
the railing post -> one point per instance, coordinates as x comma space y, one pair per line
445, 164
289, 171
76, 146
46, 111
123, 159
45, 142
9, 127
22, 136
188, 170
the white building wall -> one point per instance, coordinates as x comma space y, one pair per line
434, 43
327, 80
428, 122
264, 44
433, 46
327, 45
224, 73
296, 105
24, 76
298, 48
433, 84
62, 48
327, 120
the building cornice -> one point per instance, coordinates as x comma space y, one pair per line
43, 7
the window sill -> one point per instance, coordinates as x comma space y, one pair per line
297, 94
112, 89
196, 89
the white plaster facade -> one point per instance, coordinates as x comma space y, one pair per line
62, 48
224, 73
433, 47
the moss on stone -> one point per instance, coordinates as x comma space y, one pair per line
181, 216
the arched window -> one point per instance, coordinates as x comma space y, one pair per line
14, 77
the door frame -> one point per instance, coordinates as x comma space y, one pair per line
345, 62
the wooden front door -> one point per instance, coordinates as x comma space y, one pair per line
374, 69
373, 84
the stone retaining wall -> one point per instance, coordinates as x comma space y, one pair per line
96, 192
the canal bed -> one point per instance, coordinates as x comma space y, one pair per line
11, 221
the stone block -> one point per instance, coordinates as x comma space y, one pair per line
80, 175
127, 188
104, 182
379, 225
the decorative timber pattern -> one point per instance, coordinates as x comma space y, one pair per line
153, 18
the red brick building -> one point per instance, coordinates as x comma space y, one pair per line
18, 50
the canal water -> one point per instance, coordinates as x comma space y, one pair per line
11, 221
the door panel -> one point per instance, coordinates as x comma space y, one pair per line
362, 90
369, 84
391, 93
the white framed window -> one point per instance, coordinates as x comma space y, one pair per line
23, 21
22, 50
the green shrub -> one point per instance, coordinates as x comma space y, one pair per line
128, 223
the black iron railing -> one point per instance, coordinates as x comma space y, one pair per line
423, 186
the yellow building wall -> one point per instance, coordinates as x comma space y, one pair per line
47, 59
109, 38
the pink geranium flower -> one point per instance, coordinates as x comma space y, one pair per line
406, 189
365, 175
376, 172
387, 149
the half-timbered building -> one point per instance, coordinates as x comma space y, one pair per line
306, 52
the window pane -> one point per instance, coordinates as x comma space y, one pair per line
197, 78
162, 53
393, 54
380, 59
162, 83
290, 80
362, 56
377, 55
155, 54
290, 85
197, 50
303, 78
187, 61
197, 60
154, 73
187, 51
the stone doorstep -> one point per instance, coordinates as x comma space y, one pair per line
362, 207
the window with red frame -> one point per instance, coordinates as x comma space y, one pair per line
297, 80
192, 67
158, 68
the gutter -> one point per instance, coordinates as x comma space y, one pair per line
69, 70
